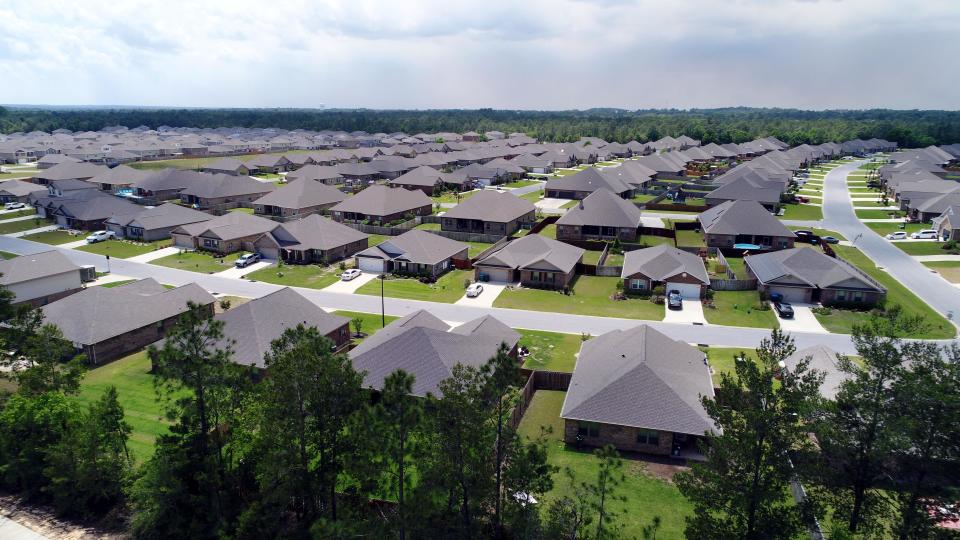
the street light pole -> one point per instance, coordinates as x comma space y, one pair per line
383, 311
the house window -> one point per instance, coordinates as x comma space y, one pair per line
648, 436
211, 243
638, 284
858, 296
841, 295
588, 429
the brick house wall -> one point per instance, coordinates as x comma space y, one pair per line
870, 298
124, 344
621, 437
650, 284
575, 232
728, 240
560, 280
269, 211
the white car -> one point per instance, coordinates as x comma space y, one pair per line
926, 234
14, 205
350, 274
100, 236
898, 235
474, 290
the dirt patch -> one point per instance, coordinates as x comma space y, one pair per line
661, 468
231, 301
42, 521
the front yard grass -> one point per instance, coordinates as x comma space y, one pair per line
18, 213
550, 351
533, 196
198, 261
802, 211
590, 296
449, 288
842, 321
879, 214
22, 225
51, 237
6, 255
723, 359
889, 227
312, 276
651, 240
927, 247
950, 270
123, 249
739, 308
520, 183
647, 496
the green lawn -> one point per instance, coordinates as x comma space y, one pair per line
929, 247
52, 237
950, 270
375, 239
17, 174
18, 213
372, 322
550, 231
802, 211
739, 308
590, 296
451, 197
428, 227
643, 197
879, 214
113, 284
591, 257
198, 261
298, 275
123, 249
550, 351
241, 210
476, 248
650, 240
722, 359
647, 496
520, 183
841, 321
876, 204
690, 239
533, 196
569, 204
738, 267
613, 259
22, 225
449, 288
135, 389
6, 255
889, 227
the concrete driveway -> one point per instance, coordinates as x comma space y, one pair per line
238, 273
350, 287
490, 293
803, 320
154, 255
12, 530
692, 312
74, 244
550, 204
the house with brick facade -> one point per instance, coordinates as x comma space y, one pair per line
639, 391
219, 192
151, 223
490, 212
585, 182
40, 278
602, 215
414, 252
746, 224
311, 240
231, 232
380, 204
534, 260
674, 269
297, 199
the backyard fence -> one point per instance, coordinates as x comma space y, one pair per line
392, 230
733, 284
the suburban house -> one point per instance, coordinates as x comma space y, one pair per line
947, 224
533, 260
639, 391
153, 223
675, 269
298, 199
807, 275
533, 164
380, 204
122, 319
413, 252
268, 164
231, 166
40, 278
251, 327
428, 348
233, 231
50, 160
165, 185
222, 192
489, 212
824, 360
69, 171
602, 215
313, 239
320, 173
744, 224
19, 191
89, 213
428, 180
585, 182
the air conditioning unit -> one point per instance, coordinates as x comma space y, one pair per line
88, 273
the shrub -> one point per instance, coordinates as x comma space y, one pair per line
708, 295
342, 266
225, 304
659, 290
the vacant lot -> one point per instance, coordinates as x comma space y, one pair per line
198, 261
449, 288
590, 296
950, 270
739, 308
298, 275
550, 351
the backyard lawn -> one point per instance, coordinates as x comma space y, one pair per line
520, 183
738, 267
722, 359
198, 261
371, 322
550, 351
52, 237
449, 288
802, 211
950, 270
242, 210
591, 257
647, 495
476, 248
739, 308
451, 197
590, 296
841, 321
690, 239
22, 225
123, 249
643, 197
550, 231
298, 275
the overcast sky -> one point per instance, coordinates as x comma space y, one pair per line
524, 54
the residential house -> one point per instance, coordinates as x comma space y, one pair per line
231, 166
231, 232
534, 260
89, 213
639, 391
947, 224
807, 275
380, 205
298, 199
268, 164
429, 180
414, 252
153, 223
824, 360
744, 225
312, 239
602, 215
19, 191
122, 319
585, 182
674, 269
221, 192
50, 160
489, 212
40, 278
69, 171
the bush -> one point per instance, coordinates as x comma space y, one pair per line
659, 290
708, 295
763, 305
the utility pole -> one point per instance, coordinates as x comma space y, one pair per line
383, 311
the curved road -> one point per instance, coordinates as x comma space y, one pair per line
838, 215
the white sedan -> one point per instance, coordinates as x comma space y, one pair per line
350, 274
100, 236
474, 290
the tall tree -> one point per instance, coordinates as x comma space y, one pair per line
759, 411
44, 360
573, 516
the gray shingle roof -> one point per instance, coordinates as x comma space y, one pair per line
415, 246
588, 180
159, 217
535, 252
811, 267
302, 193
379, 200
742, 217
823, 359
422, 176
661, 262
35, 266
491, 205
640, 378
225, 185
229, 226
603, 208
19, 188
315, 232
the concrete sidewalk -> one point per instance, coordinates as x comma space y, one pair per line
33, 231
154, 255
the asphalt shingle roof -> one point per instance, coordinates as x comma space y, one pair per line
661, 262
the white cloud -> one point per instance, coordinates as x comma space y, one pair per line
548, 54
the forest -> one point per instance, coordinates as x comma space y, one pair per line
909, 128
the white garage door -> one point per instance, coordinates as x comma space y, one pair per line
369, 264
497, 275
687, 290
790, 294
183, 241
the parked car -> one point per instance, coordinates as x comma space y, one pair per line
14, 205
674, 300
246, 260
807, 237
897, 235
926, 234
350, 274
784, 309
474, 290
830, 239
100, 236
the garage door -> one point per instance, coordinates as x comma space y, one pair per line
687, 290
369, 264
269, 252
497, 275
790, 294
183, 241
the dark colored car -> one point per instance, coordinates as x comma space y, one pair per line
830, 239
674, 300
806, 237
784, 309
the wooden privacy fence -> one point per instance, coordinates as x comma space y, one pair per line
392, 230
537, 380
733, 284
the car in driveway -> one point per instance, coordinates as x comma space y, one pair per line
926, 234
246, 260
806, 237
474, 290
897, 235
784, 309
830, 239
14, 206
351, 274
100, 236
674, 300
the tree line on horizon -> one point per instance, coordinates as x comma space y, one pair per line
909, 128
